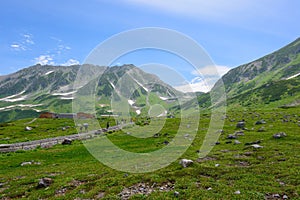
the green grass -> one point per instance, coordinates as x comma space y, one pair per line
13, 132
254, 172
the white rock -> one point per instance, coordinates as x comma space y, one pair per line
237, 142
28, 128
217, 165
185, 162
279, 135
256, 146
237, 192
176, 194
26, 163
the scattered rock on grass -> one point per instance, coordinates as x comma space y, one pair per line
256, 146
241, 124
166, 142
66, 141
237, 142
100, 195
145, 189
44, 182
30, 163
260, 122
237, 192
231, 136
61, 192
185, 162
156, 135
279, 135
275, 196
28, 128
239, 133
26, 163
248, 153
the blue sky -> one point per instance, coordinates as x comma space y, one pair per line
57, 32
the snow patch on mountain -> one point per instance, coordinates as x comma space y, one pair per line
64, 93
13, 99
47, 73
294, 76
20, 105
146, 89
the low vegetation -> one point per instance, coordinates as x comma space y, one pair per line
232, 170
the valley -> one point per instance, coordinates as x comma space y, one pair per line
255, 157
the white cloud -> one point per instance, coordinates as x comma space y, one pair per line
71, 62
28, 39
17, 47
205, 79
214, 70
44, 60
194, 86
49, 60
23, 44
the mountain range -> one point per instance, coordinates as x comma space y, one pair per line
272, 81
39, 88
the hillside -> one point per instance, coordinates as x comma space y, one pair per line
272, 78
30, 91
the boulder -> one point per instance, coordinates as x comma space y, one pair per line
260, 122
237, 192
241, 124
185, 162
66, 141
279, 135
44, 182
166, 142
256, 146
28, 128
26, 163
239, 133
231, 136
237, 142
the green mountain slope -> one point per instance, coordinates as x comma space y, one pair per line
272, 78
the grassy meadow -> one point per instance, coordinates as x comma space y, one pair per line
230, 171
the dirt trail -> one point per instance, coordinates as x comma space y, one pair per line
48, 142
